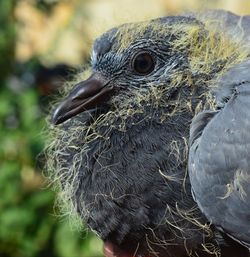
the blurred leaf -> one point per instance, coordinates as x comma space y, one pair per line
7, 37
28, 226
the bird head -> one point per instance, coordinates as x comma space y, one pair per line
119, 154
133, 56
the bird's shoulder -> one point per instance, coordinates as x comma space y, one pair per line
219, 165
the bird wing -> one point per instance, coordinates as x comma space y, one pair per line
219, 156
234, 25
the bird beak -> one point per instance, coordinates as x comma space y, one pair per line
84, 96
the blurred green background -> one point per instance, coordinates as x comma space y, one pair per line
42, 42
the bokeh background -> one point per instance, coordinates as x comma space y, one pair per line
43, 42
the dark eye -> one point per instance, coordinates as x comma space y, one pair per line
143, 63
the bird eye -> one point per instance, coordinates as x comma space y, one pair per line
143, 63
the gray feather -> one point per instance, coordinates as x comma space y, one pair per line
219, 163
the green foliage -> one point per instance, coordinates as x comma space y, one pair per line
7, 37
46, 5
28, 224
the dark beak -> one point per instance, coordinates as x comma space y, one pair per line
84, 96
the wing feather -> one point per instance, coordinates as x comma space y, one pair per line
235, 26
219, 157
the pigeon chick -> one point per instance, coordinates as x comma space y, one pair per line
119, 156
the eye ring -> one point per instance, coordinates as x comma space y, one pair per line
143, 63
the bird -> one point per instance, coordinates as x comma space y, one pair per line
150, 150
